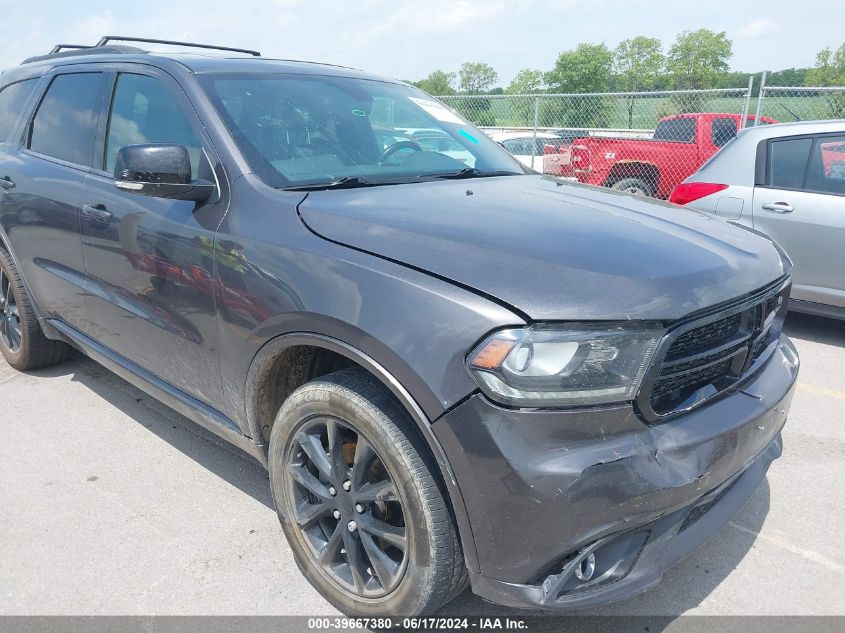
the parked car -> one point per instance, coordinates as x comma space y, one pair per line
520, 144
557, 153
653, 167
453, 374
787, 181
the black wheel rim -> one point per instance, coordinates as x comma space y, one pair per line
346, 507
10, 316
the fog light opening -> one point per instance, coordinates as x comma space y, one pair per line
586, 568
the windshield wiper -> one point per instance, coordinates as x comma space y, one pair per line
347, 182
352, 182
472, 172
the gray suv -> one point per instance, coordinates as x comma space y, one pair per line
455, 372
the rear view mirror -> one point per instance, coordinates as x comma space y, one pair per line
159, 170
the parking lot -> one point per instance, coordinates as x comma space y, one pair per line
113, 504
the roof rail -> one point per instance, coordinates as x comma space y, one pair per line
87, 50
120, 38
59, 47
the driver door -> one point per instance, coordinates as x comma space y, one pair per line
149, 261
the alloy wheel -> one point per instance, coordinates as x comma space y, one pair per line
10, 318
346, 507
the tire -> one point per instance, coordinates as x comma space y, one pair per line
352, 405
636, 186
22, 342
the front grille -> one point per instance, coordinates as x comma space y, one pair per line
705, 335
704, 357
694, 379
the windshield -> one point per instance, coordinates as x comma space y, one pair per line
304, 130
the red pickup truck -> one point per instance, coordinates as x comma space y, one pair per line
653, 167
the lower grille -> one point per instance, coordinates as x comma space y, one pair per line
703, 358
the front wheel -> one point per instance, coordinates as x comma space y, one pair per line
636, 186
358, 501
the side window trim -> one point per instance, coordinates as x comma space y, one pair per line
25, 138
103, 122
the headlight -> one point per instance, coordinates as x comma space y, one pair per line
564, 365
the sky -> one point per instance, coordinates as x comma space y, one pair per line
408, 39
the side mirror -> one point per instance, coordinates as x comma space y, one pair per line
159, 170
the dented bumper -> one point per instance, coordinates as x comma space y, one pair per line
543, 487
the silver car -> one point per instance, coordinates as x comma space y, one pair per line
787, 181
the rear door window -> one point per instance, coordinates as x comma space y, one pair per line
66, 120
12, 99
723, 130
788, 162
826, 171
676, 130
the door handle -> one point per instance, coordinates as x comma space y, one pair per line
7, 183
96, 212
778, 207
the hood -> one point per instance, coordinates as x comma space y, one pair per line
553, 250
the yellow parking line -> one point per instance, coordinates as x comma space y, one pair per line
822, 391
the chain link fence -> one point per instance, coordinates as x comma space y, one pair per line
802, 104
643, 142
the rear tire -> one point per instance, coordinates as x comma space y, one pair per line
22, 342
391, 553
636, 186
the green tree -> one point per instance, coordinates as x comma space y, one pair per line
737, 79
477, 77
586, 68
787, 77
637, 64
697, 59
830, 71
439, 83
526, 82
477, 110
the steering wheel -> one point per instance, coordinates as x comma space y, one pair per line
392, 149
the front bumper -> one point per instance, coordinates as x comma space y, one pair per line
544, 489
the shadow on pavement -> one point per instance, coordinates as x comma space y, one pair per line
216, 455
816, 329
683, 587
